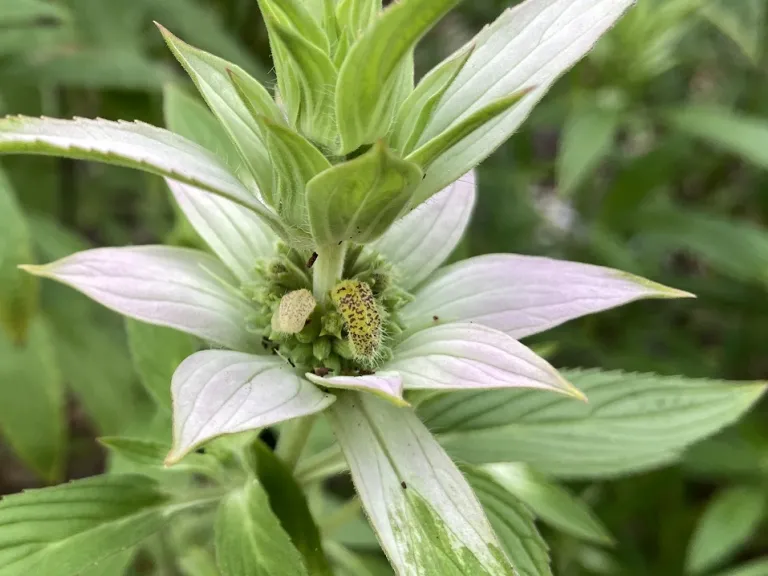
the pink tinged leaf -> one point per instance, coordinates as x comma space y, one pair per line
421, 241
216, 392
387, 385
524, 295
418, 502
235, 234
176, 287
472, 357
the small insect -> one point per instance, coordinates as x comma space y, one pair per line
312, 259
321, 371
403, 485
436, 318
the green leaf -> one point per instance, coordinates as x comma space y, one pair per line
530, 44
65, 530
742, 22
368, 85
96, 68
427, 153
757, 567
210, 75
116, 565
157, 352
202, 24
188, 117
357, 15
294, 15
550, 502
32, 401
358, 200
414, 114
309, 102
728, 522
150, 453
745, 136
513, 524
425, 514
288, 501
735, 248
294, 162
24, 12
632, 422
91, 350
249, 538
588, 136
133, 145
18, 292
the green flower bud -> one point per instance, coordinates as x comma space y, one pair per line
321, 348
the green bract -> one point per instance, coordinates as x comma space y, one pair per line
328, 209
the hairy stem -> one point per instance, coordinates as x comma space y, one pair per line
327, 270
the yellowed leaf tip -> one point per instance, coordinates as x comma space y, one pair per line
571, 390
33, 269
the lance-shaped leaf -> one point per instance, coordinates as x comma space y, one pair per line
632, 422
512, 522
296, 16
65, 530
210, 75
531, 44
428, 152
462, 356
295, 161
523, 295
33, 401
367, 92
414, 114
729, 521
387, 385
133, 145
288, 501
314, 74
425, 515
356, 15
550, 502
174, 287
249, 538
358, 200
217, 392
236, 235
18, 291
189, 117
419, 243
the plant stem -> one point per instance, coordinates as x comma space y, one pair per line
345, 513
293, 439
327, 270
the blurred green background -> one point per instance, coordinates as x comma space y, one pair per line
650, 156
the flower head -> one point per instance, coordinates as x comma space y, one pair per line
327, 233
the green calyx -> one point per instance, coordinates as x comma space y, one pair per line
349, 334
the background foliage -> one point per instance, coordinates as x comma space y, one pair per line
649, 156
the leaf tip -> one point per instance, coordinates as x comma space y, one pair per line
33, 269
